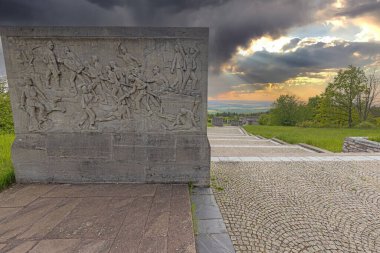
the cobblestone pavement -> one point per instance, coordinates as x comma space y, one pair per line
300, 206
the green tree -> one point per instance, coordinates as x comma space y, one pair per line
287, 111
6, 120
312, 107
366, 99
345, 88
330, 115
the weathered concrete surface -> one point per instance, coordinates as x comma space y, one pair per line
108, 104
96, 218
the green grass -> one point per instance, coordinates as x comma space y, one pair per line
6, 167
327, 138
193, 210
376, 138
194, 218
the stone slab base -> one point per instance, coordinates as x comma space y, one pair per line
113, 157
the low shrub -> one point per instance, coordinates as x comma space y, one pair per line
366, 125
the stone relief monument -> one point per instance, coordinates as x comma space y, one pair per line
108, 104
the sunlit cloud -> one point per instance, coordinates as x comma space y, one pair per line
264, 43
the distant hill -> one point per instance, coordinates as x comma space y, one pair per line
238, 106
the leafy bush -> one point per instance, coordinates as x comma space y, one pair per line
6, 120
377, 121
265, 119
307, 123
366, 125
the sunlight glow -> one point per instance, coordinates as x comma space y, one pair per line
264, 43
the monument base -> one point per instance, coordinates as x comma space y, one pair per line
112, 157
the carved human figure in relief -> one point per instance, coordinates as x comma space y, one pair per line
25, 57
178, 66
121, 109
52, 71
36, 105
129, 60
184, 121
159, 79
114, 82
74, 65
190, 68
120, 75
196, 103
140, 89
96, 76
88, 97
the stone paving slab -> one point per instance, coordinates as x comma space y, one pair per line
212, 235
294, 158
214, 142
225, 130
258, 151
96, 218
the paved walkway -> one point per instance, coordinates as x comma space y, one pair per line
297, 202
96, 218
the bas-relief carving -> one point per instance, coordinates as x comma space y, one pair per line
115, 90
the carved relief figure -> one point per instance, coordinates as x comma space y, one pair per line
196, 103
120, 75
178, 66
129, 60
25, 58
141, 93
74, 65
190, 68
160, 80
96, 79
37, 105
184, 121
121, 109
32, 102
87, 99
52, 70
114, 82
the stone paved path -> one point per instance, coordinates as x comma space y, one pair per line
272, 204
96, 218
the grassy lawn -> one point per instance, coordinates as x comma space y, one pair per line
377, 138
6, 168
326, 138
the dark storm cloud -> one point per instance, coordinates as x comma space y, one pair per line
292, 44
233, 22
57, 12
358, 8
266, 67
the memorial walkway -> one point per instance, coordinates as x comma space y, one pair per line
285, 198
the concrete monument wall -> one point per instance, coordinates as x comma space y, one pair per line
108, 104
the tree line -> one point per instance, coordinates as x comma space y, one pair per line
350, 100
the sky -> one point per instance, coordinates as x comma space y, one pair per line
259, 49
